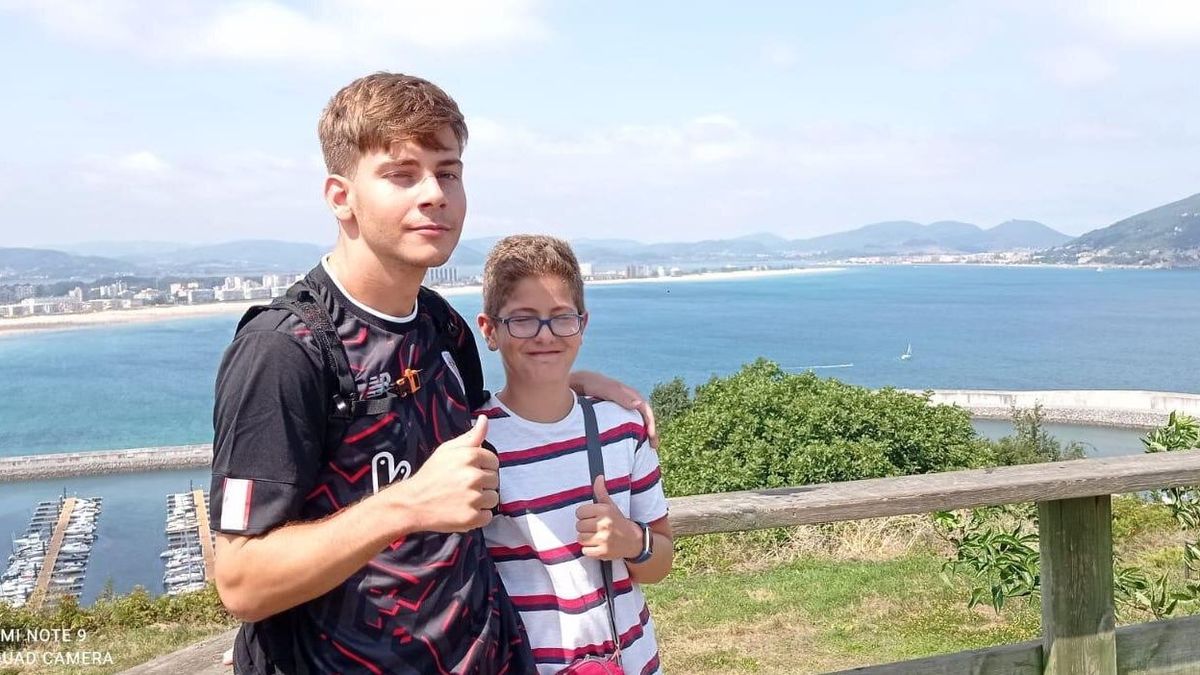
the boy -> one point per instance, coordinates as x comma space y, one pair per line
549, 536
347, 522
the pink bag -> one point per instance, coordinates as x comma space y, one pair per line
593, 665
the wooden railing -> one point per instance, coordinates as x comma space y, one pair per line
1075, 520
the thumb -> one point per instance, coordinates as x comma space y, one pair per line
474, 436
601, 491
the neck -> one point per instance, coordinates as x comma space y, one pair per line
543, 402
390, 288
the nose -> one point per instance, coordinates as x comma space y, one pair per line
543, 334
432, 195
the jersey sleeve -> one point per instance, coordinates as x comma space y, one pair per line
647, 501
269, 420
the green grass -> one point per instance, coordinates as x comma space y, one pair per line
821, 615
791, 600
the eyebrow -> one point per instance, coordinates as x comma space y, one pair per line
402, 163
559, 309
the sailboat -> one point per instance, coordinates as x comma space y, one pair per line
907, 353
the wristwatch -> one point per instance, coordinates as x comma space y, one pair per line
647, 544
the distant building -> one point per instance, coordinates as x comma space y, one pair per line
441, 276
256, 293
638, 271
22, 291
200, 295
280, 281
150, 296
14, 311
585, 269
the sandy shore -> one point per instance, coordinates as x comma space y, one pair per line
29, 324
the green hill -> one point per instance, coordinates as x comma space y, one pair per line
1168, 235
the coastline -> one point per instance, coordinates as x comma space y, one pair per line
56, 322
1125, 409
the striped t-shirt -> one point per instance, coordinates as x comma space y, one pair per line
559, 592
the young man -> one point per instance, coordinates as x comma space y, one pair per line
348, 529
549, 535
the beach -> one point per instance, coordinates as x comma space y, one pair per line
27, 324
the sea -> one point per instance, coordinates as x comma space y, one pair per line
971, 327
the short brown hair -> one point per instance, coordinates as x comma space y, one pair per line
375, 111
528, 255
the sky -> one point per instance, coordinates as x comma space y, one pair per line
196, 121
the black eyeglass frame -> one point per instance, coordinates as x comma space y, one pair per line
548, 323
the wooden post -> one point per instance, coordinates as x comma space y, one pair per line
1078, 627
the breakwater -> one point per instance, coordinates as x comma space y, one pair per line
61, 465
1093, 407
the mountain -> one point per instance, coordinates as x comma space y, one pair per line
258, 256
251, 256
1167, 235
898, 237
119, 249
19, 265
1014, 234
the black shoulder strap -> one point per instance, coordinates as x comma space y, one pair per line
596, 467
443, 318
305, 303
302, 301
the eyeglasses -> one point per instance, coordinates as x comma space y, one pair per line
525, 327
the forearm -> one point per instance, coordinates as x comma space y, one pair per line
658, 566
260, 576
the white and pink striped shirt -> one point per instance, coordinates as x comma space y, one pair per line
544, 477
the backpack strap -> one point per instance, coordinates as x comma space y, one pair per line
302, 301
596, 467
447, 328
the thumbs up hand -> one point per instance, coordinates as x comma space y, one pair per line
604, 532
456, 488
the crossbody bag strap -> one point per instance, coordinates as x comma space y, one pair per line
596, 465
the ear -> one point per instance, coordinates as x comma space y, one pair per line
583, 324
488, 330
339, 196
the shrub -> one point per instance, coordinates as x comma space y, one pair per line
762, 428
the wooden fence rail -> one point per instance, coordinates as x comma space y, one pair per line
1075, 520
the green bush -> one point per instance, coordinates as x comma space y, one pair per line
112, 612
762, 428
668, 399
1031, 443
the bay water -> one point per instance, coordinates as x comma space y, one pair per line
150, 384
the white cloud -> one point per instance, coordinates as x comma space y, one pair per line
1078, 66
330, 32
1145, 22
141, 162
707, 139
779, 54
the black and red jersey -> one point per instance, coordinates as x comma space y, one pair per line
428, 603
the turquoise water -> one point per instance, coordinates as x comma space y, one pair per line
980, 328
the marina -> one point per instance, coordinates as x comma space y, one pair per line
51, 558
188, 558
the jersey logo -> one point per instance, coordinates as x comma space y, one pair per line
378, 385
454, 369
385, 470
